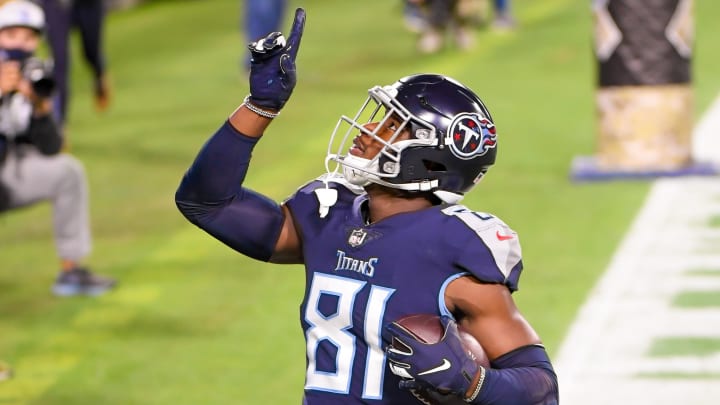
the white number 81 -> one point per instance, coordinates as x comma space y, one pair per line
334, 329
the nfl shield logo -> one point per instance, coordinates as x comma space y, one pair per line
357, 237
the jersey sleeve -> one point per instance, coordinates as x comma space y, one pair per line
490, 249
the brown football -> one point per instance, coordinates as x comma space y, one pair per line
427, 328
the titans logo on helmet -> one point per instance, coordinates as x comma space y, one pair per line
470, 135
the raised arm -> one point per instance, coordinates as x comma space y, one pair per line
211, 194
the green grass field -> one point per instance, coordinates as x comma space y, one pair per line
193, 322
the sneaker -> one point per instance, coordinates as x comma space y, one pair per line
431, 41
102, 93
81, 281
504, 22
464, 38
5, 371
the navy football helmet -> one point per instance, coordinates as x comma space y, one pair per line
452, 138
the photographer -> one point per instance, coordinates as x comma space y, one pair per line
32, 168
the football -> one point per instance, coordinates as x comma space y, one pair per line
427, 328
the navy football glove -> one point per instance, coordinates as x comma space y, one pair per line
444, 366
272, 66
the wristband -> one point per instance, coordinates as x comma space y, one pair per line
475, 393
267, 114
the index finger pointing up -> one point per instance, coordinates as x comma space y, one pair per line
296, 33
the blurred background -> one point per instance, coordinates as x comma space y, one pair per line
193, 322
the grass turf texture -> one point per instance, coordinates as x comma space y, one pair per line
193, 322
697, 299
677, 346
687, 347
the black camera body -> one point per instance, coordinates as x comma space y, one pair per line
39, 72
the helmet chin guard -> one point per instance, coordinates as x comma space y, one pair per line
452, 141
352, 173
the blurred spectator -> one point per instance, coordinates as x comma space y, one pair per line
414, 16
442, 19
435, 19
32, 168
88, 16
503, 17
261, 17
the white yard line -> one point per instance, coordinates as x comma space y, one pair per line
604, 358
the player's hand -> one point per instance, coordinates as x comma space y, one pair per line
272, 66
445, 366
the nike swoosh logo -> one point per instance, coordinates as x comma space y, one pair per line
444, 366
502, 237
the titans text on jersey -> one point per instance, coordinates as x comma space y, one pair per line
345, 262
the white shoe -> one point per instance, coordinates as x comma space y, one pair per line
464, 38
430, 41
504, 22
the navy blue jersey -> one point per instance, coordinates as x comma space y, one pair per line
362, 276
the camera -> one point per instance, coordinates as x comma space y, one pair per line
39, 72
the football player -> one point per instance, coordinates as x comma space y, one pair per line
382, 236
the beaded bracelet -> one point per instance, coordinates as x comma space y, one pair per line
267, 114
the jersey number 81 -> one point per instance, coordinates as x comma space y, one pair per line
334, 329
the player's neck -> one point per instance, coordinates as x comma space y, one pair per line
382, 205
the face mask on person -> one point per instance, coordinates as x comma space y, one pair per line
16, 54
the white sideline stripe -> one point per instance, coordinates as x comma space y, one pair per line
706, 137
606, 347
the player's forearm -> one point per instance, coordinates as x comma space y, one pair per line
211, 196
219, 169
248, 122
522, 377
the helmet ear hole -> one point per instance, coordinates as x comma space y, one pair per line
434, 166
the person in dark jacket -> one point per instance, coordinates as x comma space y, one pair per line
33, 169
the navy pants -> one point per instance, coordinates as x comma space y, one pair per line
62, 17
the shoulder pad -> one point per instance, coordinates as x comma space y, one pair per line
502, 242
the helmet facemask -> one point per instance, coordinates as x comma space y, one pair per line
378, 108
